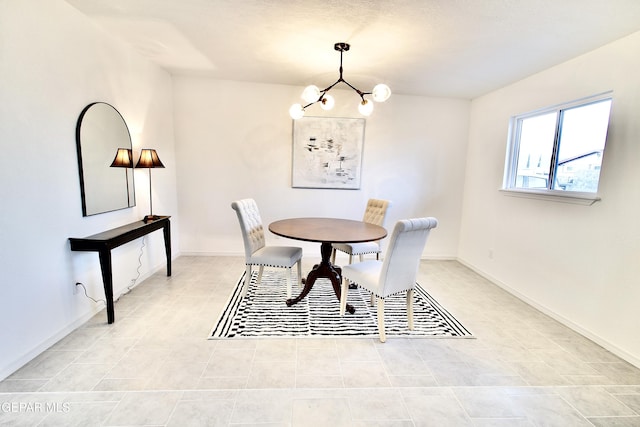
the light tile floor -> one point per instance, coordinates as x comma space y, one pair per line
154, 366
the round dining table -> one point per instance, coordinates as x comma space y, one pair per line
326, 231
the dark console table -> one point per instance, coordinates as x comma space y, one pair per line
107, 240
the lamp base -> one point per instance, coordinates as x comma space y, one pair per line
150, 218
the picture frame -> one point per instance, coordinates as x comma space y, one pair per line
327, 152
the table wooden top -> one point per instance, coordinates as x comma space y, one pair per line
128, 228
327, 230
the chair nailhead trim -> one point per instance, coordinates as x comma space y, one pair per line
271, 265
375, 294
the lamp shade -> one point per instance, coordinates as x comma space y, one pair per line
149, 159
311, 93
123, 159
381, 92
327, 102
365, 107
296, 111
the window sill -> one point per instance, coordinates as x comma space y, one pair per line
585, 199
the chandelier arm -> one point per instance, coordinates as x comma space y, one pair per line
358, 91
328, 88
310, 104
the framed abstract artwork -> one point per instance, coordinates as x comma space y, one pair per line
327, 152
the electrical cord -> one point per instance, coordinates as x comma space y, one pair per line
135, 279
86, 295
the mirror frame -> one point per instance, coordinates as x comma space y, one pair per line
92, 129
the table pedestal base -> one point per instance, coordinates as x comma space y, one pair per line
324, 269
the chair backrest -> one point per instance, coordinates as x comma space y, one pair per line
250, 224
376, 211
400, 265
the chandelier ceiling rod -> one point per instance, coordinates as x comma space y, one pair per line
313, 95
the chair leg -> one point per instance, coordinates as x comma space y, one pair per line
343, 295
260, 274
289, 281
361, 257
299, 272
410, 308
350, 259
247, 280
372, 299
333, 255
383, 337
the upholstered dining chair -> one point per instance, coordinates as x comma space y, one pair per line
397, 273
257, 253
374, 213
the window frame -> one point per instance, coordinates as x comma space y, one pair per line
513, 147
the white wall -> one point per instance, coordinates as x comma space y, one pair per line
53, 63
234, 140
581, 264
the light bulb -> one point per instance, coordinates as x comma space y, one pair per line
311, 93
327, 102
381, 92
296, 111
365, 107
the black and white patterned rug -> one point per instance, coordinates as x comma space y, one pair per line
264, 313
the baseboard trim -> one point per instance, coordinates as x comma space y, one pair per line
556, 316
225, 254
21, 361
241, 254
36, 351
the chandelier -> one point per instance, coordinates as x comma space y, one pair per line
312, 94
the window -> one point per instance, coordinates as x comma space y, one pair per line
558, 150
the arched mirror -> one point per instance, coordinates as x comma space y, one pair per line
104, 160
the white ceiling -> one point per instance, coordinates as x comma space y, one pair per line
449, 48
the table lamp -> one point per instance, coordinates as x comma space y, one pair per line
149, 159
